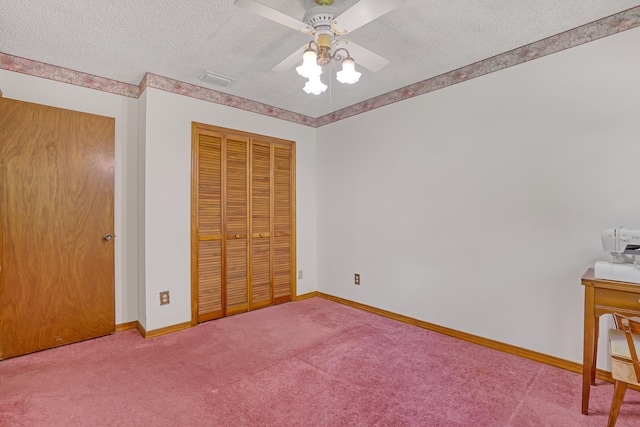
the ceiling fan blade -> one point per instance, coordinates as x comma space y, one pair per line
272, 14
366, 58
364, 12
294, 59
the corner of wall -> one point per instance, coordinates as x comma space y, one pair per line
141, 145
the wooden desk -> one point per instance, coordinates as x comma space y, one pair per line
602, 296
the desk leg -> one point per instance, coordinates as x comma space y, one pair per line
589, 350
596, 335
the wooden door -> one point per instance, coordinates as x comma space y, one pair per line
242, 222
208, 231
261, 223
57, 270
284, 224
236, 220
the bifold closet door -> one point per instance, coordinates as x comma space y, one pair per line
237, 224
261, 256
243, 222
209, 227
283, 228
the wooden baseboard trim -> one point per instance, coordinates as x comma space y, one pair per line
141, 330
127, 326
496, 345
306, 296
162, 331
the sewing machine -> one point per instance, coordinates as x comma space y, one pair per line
623, 244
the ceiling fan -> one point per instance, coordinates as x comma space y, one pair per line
328, 31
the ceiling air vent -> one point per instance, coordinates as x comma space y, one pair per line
215, 79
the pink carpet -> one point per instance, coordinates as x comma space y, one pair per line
309, 363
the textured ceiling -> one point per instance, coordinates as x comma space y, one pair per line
124, 39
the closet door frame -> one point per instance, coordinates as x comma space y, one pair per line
197, 130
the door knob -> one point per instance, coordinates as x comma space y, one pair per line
107, 237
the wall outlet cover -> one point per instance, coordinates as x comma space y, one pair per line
164, 298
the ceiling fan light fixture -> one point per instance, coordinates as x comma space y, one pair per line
327, 26
348, 75
309, 67
315, 86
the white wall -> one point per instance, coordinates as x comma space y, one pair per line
167, 197
479, 206
47, 92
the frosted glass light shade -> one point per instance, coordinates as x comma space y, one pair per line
315, 86
348, 74
309, 67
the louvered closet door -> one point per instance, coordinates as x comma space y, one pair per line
283, 223
243, 222
210, 302
261, 225
237, 218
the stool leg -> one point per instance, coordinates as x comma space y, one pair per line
619, 389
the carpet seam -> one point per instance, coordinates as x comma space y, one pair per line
525, 395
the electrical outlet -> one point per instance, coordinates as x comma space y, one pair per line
164, 298
357, 279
